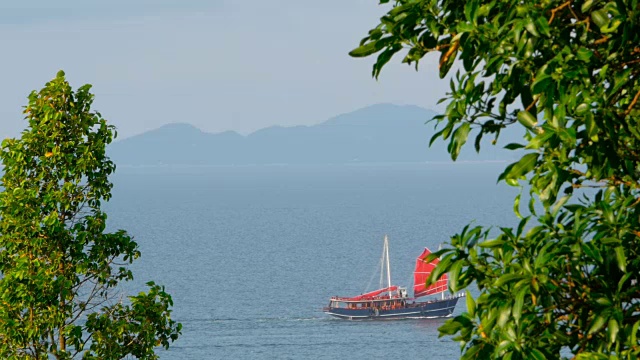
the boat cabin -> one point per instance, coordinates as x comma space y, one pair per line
374, 300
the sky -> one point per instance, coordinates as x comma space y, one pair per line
217, 64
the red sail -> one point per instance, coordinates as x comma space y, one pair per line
421, 274
371, 295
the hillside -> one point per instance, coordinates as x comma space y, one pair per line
378, 133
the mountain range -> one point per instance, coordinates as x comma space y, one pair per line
382, 133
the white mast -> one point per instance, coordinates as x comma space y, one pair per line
386, 246
384, 252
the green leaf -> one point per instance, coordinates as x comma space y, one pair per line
610, 240
383, 59
542, 26
613, 329
604, 301
364, 50
531, 27
621, 258
441, 268
450, 327
587, 5
491, 243
507, 278
611, 27
558, 205
591, 356
519, 303
584, 54
471, 304
600, 18
459, 138
537, 354
465, 27
634, 331
582, 109
471, 10
520, 168
435, 137
504, 312
597, 323
472, 353
514, 146
477, 142
592, 130
454, 273
371, 47
516, 206
525, 118
541, 83
623, 281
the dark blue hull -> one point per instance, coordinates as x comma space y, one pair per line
420, 310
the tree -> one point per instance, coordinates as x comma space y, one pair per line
564, 282
59, 266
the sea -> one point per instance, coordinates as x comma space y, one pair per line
251, 254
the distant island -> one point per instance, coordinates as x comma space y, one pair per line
382, 133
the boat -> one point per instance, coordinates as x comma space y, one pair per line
392, 301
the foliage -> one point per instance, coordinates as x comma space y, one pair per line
564, 283
59, 266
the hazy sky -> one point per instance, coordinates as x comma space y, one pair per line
218, 64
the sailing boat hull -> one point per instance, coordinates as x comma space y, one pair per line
419, 310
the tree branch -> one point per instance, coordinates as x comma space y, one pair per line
633, 103
554, 11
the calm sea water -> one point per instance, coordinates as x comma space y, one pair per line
252, 254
